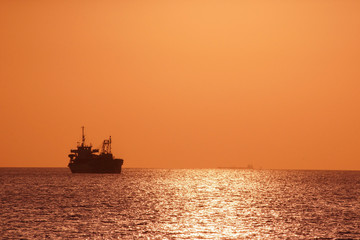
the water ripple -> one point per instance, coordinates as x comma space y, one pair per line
180, 204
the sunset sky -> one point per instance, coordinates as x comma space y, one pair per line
182, 84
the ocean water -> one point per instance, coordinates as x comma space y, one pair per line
38, 203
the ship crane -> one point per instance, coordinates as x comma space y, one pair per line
106, 146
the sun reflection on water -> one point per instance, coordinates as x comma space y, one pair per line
181, 204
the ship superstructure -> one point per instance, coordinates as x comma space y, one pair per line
84, 159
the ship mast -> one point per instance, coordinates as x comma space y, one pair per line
110, 144
83, 136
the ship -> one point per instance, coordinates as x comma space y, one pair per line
85, 159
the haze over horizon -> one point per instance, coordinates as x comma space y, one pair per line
184, 84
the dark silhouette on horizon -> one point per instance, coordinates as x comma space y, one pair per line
85, 160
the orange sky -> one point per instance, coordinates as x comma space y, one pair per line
182, 83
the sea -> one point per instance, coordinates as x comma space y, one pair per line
52, 203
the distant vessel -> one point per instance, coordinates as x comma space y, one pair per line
85, 160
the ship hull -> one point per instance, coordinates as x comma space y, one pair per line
110, 166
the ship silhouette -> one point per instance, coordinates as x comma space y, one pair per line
84, 159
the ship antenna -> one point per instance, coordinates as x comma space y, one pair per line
110, 144
83, 136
